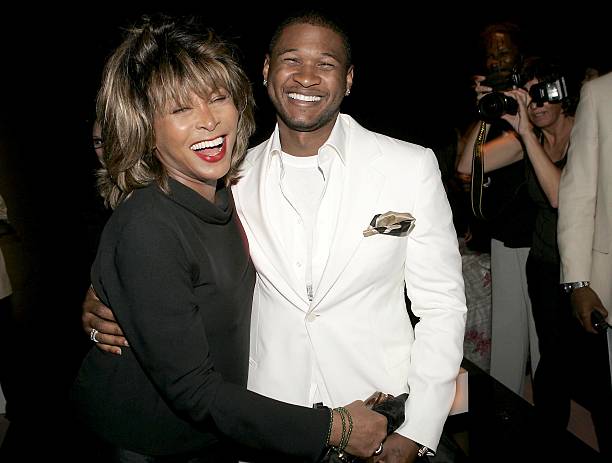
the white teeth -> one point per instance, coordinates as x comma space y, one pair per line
207, 144
299, 96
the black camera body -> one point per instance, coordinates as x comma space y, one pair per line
549, 92
503, 80
495, 104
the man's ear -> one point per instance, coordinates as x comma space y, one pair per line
349, 77
266, 67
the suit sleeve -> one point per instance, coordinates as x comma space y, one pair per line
578, 193
149, 286
434, 284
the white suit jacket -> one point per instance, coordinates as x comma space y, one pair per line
585, 194
356, 330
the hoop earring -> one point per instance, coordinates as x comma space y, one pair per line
265, 83
348, 92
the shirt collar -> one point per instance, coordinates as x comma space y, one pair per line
218, 213
336, 144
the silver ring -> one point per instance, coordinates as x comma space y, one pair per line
379, 450
92, 335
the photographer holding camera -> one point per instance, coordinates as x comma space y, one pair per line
510, 216
541, 114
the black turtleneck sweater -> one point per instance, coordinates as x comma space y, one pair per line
175, 270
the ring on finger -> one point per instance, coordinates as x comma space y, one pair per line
92, 335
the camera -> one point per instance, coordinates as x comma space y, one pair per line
495, 104
503, 80
548, 92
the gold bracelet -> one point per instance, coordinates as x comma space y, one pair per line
345, 436
350, 429
331, 424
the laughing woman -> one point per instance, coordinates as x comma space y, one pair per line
173, 263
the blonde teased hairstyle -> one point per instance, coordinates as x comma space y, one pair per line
162, 61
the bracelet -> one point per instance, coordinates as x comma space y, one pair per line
344, 413
350, 429
331, 424
343, 435
569, 287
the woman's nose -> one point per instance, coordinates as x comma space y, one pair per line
207, 119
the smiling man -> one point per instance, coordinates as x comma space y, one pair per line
329, 318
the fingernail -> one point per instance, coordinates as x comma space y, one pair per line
126, 344
118, 351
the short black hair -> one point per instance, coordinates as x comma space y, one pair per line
547, 70
314, 18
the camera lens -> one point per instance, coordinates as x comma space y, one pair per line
494, 105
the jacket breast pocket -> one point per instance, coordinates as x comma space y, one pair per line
383, 250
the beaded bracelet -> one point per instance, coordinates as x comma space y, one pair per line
343, 434
346, 435
331, 424
350, 429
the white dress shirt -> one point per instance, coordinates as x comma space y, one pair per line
307, 218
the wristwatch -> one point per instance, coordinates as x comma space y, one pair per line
569, 287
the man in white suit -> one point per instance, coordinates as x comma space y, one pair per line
329, 318
585, 220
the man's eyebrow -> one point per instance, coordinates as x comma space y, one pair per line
331, 55
325, 53
285, 50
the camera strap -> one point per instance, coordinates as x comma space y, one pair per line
478, 171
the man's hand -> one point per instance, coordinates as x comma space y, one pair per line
99, 317
584, 301
397, 449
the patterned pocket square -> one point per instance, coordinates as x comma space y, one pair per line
390, 223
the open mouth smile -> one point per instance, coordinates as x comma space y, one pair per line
210, 150
307, 98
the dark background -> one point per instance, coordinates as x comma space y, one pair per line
412, 81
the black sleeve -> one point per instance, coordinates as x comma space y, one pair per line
147, 282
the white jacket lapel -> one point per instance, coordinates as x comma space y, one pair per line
250, 195
361, 189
